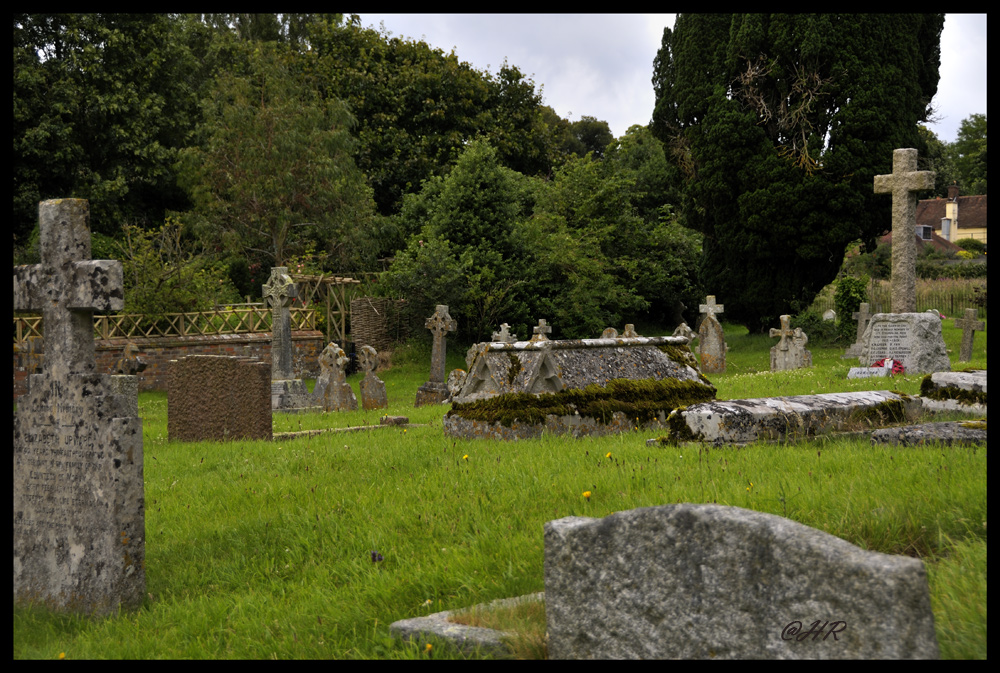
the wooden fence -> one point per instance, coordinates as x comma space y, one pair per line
948, 296
235, 320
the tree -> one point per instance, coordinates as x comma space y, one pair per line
102, 102
968, 153
274, 169
777, 125
593, 134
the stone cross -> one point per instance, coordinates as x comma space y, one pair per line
630, 332
710, 308
78, 498
969, 326
504, 335
279, 293
903, 183
439, 324
862, 315
785, 332
68, 286
541, 330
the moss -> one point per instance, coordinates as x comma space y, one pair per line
975, 425
678, 429
515, 368
942, 393
642, 400
683, 355
889, 411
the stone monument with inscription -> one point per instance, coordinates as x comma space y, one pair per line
711, 339
435, 391
79, 506
287, 392
912, 338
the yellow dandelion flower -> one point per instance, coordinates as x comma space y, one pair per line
62, 655
465, 457
586, 494
607, 455
429, 648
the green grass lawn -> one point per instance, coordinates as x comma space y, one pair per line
264, 549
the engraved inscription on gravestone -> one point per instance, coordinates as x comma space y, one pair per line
79, 511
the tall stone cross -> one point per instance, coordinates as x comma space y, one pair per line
68, 286
439, 324
969, 325
903, 183
710, 308
785, 332
279, 292
541, 330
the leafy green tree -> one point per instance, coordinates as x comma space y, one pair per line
936, 156
777, 125
274, 168
593, 134
102, 102
968, 153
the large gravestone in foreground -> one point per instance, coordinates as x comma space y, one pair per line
914, 339
713, 582
79, 510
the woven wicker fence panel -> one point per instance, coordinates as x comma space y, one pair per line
377, 322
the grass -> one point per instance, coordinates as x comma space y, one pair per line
260, 550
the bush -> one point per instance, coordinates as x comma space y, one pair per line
972, 245
850, 293
819, 331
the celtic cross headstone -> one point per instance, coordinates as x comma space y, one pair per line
435, 391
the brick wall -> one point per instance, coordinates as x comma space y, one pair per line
157, 352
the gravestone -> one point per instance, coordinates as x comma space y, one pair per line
903, 184
218, 398
711, 340
505, 335
829, 314
914, 339
686, 332
713, 582
287, 392
336, 393
435, 391
373, 395
862, 315
541, 331
79, 508
790, 352
969, 325
871, 372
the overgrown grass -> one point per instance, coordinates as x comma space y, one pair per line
263, 550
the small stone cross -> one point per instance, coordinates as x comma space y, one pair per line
541, 330
439, 324
68, 286
863, 316
903, 183
504, 335
969, 326
710, 308
785, 332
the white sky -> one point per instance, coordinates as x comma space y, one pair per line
602, 64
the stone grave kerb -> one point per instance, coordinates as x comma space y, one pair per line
440, 323
903, 184
969, 325
67, 286
786, 333
279, 292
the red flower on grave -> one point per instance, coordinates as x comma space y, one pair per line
897, 365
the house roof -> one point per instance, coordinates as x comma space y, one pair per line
936, 241
971, 212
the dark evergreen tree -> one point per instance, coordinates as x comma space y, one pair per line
777, 124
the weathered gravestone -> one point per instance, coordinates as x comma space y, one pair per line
435, 391
79, 508
968, 325
577, 386
914, 339
219, 398
790, 352
903, 183
862, 315
871, 372
713, 582
287, 392
332, 391
373, 395
711, 339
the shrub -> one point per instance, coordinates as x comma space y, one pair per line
972, 245
850, 293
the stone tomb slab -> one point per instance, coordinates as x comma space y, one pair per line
713, 582
779, 418
954, 433
913, 338
551, 366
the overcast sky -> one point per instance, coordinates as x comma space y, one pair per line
602, 64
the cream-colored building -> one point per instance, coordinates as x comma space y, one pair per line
954, 218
